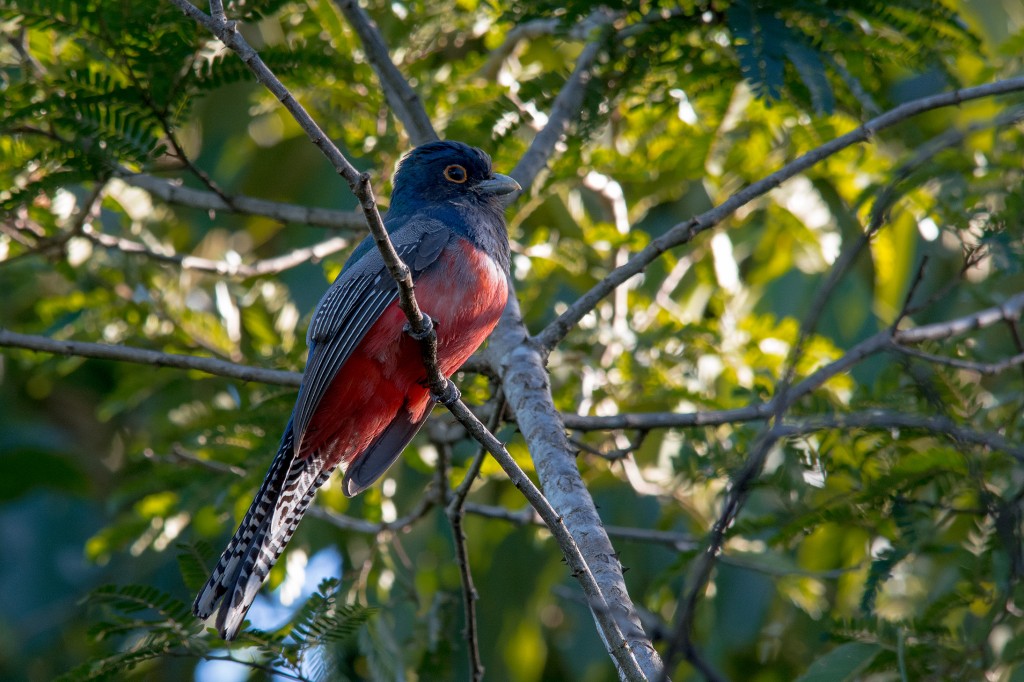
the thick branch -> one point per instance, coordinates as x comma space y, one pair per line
525, 384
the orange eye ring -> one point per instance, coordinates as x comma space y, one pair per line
456, 173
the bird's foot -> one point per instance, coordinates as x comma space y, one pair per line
449, 396
428, 328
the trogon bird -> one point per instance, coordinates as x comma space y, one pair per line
364, 392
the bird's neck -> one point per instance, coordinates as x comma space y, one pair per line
482, 223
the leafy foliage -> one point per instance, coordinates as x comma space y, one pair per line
867, 551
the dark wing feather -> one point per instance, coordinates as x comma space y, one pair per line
355, 301
381, 454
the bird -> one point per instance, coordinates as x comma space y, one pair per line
364, 393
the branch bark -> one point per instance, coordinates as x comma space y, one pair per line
287, 213
404, 102
103, 351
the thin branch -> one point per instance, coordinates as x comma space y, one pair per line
666, 420
403, 100
1008, 311
682, 542
885, 419
401, 524
455, 512
103, 351
531, 30
178, 194
983, 368
269, 266
179, 454
686, 231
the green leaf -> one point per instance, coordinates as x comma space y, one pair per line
844, 662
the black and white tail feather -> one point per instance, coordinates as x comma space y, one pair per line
280, 504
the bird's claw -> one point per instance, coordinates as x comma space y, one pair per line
450, 396
428, 328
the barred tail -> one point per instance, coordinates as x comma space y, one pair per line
280, 504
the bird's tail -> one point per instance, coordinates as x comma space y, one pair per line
273, 516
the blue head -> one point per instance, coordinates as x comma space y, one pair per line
447, 173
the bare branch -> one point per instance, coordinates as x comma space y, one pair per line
401, 524
287, 213
456, 513
565, 107
983, 368
686, 231
1008, 311
103, 351
531, 30
885, 419
666, 420
403, 100
526, 386
682, 542
259, 268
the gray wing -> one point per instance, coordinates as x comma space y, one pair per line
350, 307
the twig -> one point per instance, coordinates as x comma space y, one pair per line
682, 542
686, 231
531, 30
403, 100
983, 368
426, 503
455, 511
179, 454
666, 420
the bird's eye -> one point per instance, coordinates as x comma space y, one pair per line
456, 173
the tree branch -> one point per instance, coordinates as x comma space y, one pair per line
269, 266
565, 107
885, 419
173, 193
404, 102
103, 351
526, 386
686, 231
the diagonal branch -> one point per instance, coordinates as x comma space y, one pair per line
686, 231
565, 107
404, 102
287, 213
